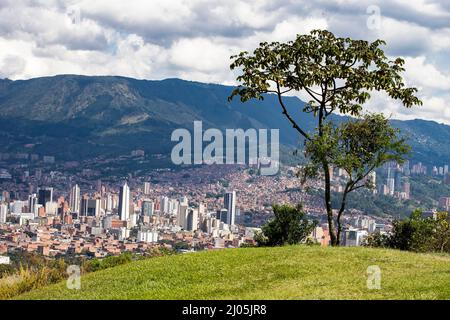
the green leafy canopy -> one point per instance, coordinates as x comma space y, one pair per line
344, 70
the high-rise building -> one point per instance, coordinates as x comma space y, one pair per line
182, 213
391, 185
45, 195
184, 201
406, 168
191, 220
164, 205
124, 202
444, 203
90, 207
201, 210
435, 171
146, 188
447, 178
229, 202
111, 202
147, 208
3, 212
32, 203
173, 206
74, 199
398, 180
222, 215
99, 186
407, 189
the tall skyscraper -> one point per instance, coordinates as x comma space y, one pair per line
147, 208
45, 195
3, 212
229, 202
407, 189
164, 204
32, 203
90, 207
74, 199
182, 213
99, 186
406, 168
146, 188
398, 180
124, 202
191, 220
222, 215
391, 186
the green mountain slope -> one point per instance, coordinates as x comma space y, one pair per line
75, 117
293, 272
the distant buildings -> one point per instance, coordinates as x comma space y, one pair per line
148, 236
447, 178
74, 199
90, 207
444, 203
33, 203
147, 188
419, 169
188, 218
222, 215
182, 212
397, 182
109, 220
138, 153
3, 212
229, 202
48, 159
148, 208
45, 195
407, 190
191, 221
124, 202
353, 237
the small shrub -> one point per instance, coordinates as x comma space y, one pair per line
289, 226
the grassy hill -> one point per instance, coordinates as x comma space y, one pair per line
293, 272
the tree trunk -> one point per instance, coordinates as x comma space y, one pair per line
339, 225
341, 211
329, 209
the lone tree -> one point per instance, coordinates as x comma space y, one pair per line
338, 74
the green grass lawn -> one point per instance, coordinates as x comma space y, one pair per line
293, 272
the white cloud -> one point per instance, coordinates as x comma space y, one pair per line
200, 54
289, 28
426, 75
193, 39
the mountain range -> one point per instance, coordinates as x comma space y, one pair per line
77, 117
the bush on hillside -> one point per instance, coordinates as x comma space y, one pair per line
419, 234
289, 226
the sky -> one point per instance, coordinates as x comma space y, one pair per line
194, 39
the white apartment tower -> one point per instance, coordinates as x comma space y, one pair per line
74, 199
124, 202
229, 202
147, 188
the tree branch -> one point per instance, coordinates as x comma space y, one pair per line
288, 116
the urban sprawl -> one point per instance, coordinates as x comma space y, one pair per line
56, 209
